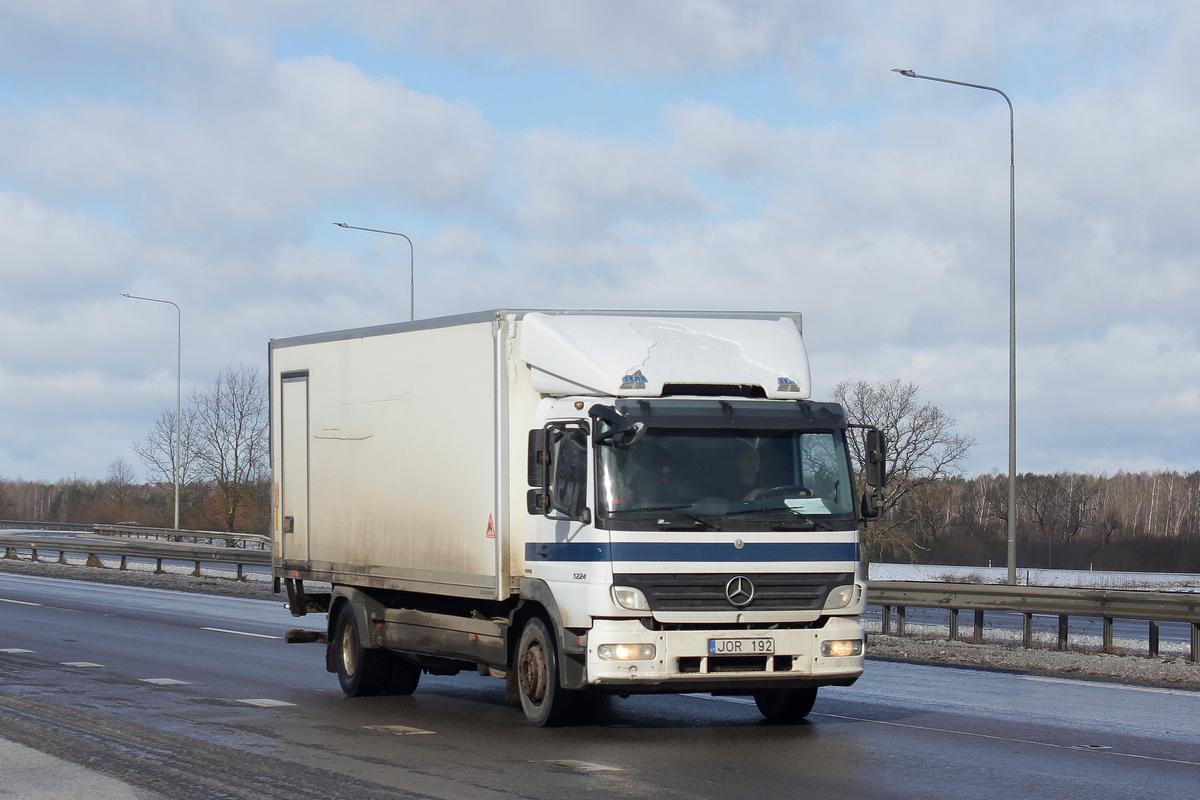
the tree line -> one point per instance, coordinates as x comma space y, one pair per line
933, 514
1140, 522
221, 461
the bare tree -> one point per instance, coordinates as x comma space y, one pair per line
922, 449
157, 450
120, 484
223, 443
231, 436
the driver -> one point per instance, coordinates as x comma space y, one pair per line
749, 483
748, 462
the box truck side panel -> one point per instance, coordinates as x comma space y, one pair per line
402, 479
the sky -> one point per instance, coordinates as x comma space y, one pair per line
685, 154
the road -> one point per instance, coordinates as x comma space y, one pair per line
198, 696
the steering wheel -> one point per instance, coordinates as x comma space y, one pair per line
786, 489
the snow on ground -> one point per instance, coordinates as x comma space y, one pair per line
1078, 578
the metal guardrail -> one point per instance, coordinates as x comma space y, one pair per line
160, 551
34, 525
244, 540
1105, 604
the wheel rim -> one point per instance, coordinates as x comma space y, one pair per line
532, 673
349, 649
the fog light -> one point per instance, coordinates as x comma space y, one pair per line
626, 652
840, 648
840, 597
630, 598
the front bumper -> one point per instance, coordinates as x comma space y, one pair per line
682, 661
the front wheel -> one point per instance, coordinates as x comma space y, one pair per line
404, 677
543, 699
362, 671
785, 705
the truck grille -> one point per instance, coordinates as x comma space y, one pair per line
772, 591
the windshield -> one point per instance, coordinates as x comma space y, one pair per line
726, 480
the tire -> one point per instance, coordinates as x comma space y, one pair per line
362, 672
404, 677
544, 701
785, 705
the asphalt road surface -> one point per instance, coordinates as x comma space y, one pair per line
196, 696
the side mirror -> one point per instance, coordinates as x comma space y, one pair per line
537, 500
875, 472
622, 432
872, 505
539, 458
876, 459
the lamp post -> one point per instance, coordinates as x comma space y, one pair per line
412, 283
175, 456
1012, 318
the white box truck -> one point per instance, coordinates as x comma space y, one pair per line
578, 502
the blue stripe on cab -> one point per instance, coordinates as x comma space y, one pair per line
693, 551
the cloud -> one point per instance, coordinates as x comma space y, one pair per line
325, 132
75, 250
164, 149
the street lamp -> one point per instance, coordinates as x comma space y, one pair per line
178, 380
1012, 319
412, 284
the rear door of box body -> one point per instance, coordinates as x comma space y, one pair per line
293, 409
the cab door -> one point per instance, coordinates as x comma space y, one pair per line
565, 550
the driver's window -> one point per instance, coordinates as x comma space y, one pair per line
568, 485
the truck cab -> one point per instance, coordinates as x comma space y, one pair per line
696, 543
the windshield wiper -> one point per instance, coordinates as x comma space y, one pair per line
797, 517
666, 524
802, 523
655, 508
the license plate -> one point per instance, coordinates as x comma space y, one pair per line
741, 647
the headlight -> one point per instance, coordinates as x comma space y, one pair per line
626, 652
840, 648
840, 597
630, 598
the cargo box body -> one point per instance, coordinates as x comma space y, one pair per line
393, 456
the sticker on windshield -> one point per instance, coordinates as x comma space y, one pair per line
807, 505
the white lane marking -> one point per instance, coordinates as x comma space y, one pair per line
81, 664
265, 703
241, 633
18, 602
14, 650
1103, 685
1091, 748
579, 766
399, 730
164, 681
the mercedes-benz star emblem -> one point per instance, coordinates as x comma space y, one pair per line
740, 591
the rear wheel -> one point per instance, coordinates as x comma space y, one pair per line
362, 671
785, 705
543, 700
